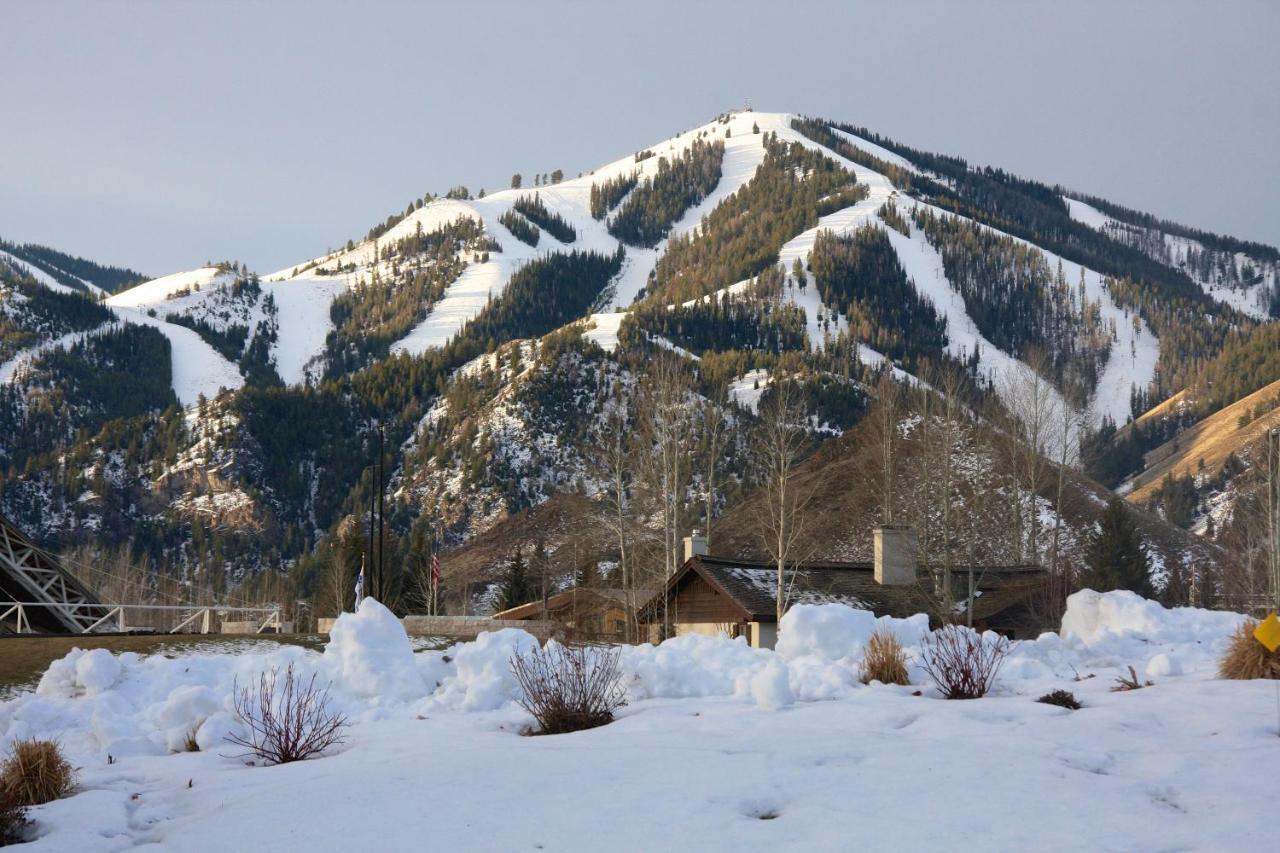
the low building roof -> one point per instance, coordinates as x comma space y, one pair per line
533, 609
751, 586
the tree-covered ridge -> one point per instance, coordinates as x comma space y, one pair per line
605, 196
520, 228
742, 237
726, 322
1244, 365
1220, 243
409, 277
861, 277
537, 213
1027, 209
657, 203
1020, 303
31, 312
118, 372
72, 271
545, 294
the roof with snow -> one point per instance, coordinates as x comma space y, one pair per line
748, 588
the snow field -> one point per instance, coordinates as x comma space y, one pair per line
782, 748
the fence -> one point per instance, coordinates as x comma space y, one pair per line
191, 620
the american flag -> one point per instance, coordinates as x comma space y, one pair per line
435, 571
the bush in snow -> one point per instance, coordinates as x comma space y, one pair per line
36, 772
1123, 685
13, 820
286, 722
961, 662
884, 661
569, 689
1245, 657
1061, 698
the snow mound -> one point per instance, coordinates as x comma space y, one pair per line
482, 679
370, 655
835, 632
1096, 617
692, 665
81, 673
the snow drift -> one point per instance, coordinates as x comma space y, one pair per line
100, 703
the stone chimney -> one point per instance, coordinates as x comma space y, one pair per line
695, 545
895, 555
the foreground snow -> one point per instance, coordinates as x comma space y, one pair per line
721, 747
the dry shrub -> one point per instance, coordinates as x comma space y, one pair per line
189, 743
1061, 698
288, 721
568, 689
961, 663
13, 820
36, 772
1247, 658
884, 661
1124, 685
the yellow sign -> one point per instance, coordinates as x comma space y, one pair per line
1268, 632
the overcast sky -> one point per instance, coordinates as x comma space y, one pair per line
159, 135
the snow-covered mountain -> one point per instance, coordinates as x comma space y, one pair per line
494, 336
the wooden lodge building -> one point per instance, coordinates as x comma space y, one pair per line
586, 613
712, 595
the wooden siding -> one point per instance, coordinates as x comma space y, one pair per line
699, 601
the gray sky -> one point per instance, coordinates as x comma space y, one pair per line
159, 135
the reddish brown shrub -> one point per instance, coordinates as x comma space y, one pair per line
288, 721
961, 663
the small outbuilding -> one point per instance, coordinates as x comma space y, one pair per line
714, 595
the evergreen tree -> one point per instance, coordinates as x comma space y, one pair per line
1117, 557
515, 588
516, 181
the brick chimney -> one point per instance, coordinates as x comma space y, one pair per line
895, 555
695, 545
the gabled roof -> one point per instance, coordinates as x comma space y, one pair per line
596, 595
751, 586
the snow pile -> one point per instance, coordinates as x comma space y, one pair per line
834, 632
478, 675
125, 705
693, 665
82, 673
1122, 629
370, 655
1097, 617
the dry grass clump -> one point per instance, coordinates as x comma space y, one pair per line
1247, 658
1061, 698
189, 743
961, 663
570, 689
884, 661
36, 772
1124, 685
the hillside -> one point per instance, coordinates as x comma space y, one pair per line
218, 421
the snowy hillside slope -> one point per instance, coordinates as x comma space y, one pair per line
198, 369
1236, 279
309, 288
35, 272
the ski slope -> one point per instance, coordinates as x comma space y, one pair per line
35, 272
1250, 301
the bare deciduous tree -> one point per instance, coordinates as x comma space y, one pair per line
781, 440
666, 428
